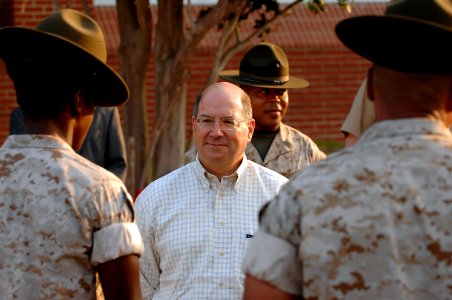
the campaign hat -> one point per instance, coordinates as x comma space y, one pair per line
264, 65
66, 38
412, 36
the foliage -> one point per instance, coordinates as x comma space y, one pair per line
261, 9
319, 5
329, 146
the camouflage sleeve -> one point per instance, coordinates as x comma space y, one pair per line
111, 220
317, 154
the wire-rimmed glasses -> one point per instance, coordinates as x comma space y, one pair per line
226, 123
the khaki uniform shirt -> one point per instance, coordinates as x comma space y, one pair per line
289, 152
370, 222
361, 114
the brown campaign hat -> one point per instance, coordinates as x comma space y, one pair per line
265, 65
67, 35
413, 36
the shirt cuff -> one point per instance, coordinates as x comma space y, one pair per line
114, 241
278, 264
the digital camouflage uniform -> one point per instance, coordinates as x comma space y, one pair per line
370, 222
289, 152
62, 215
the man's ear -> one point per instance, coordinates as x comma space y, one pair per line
370, 84
449, 98
80, 104
251, 127
75, 103
193, 121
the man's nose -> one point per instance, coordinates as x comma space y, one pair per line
216, 129
274, 97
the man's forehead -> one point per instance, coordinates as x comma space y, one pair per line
220, 105
223, 88
221, 94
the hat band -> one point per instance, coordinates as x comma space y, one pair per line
255, 79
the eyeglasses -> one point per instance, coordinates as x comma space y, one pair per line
228, 124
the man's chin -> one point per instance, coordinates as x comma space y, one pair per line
270, 127
272, 119
208, 161
214, 151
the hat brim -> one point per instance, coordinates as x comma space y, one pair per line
111, 90
399, 43
292, 83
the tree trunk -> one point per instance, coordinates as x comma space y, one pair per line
135, 28
170, 77
171, 146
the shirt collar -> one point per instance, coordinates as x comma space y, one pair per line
36, 141
282, 143
206, 178
405, 127
284, 132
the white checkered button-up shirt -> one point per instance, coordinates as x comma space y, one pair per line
196, 230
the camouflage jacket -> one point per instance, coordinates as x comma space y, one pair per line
62, 215
371, 221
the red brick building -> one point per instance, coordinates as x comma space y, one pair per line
308, 39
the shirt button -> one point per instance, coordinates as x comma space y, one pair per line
221, 194
221, 223
221, 284
221, 253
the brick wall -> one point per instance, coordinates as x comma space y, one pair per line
313, 52
7, 101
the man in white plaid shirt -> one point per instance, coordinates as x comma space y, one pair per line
197, 221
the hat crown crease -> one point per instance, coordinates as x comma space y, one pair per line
78, 29
438, 12
411, 36
265, 65
265, 62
